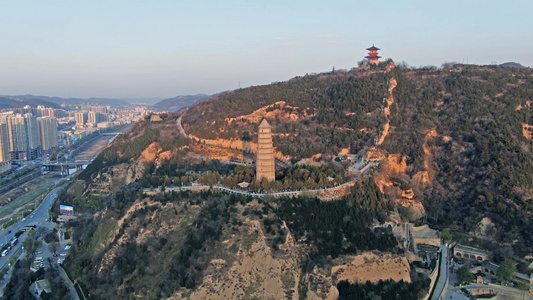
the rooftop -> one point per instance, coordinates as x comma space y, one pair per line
467, 249
264, 124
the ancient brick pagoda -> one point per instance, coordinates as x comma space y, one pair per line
265, 163
373, 56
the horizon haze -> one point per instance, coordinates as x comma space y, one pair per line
131, 49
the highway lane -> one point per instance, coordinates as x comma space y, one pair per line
38, 217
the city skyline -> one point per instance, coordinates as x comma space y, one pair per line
165, 49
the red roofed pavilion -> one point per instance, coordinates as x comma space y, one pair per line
373, 56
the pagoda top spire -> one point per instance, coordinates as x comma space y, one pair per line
264, 124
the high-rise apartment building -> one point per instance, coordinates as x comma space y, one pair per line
48, 133
81, 118
96, 117
18, 137
33, 135
95, 108
24, 136
4, 142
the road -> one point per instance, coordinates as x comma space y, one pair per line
510, 293
407, 238
39, 218
180, 127
441, 285
454, 292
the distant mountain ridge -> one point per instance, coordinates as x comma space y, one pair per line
21, 101
512, 65
179, 102
171, 104
55, 102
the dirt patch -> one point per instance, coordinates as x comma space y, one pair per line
527, 130
386, 111
373, 267
485, 229
213, 152
344, 151
394, 164
278, 110
520, 106
416, 207
150, 153
375, 154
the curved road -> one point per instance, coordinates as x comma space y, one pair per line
38, 217
180, 128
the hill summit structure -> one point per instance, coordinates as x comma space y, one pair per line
373, 57
265, 164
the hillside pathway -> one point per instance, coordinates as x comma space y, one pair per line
180, 127
319, 192
386, 111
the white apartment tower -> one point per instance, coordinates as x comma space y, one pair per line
18, 137
48, 133
33, 134
4, 142
81, 118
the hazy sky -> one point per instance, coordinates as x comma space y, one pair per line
82, 48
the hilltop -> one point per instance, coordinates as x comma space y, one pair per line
456, 139
179, 102
453, 147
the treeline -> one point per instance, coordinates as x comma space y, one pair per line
22, 277
342, 226
308, 177
385, 290
213, 171
292, 178
483, 162
336, 110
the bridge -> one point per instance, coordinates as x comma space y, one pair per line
65, 166
110, 133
